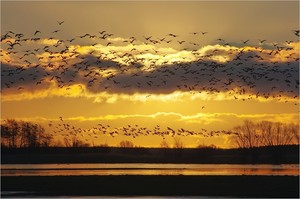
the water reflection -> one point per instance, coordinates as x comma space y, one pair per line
146, 169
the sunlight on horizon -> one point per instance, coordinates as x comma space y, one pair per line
182, 68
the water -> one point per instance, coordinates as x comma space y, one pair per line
147, 169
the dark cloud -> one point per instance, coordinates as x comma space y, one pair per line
246, 73
250, 76
18, 78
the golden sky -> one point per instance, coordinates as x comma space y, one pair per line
196, 66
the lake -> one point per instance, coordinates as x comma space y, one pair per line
147, 169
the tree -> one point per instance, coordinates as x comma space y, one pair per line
247, 135
164, 144
4, 135
12, 131
126, 144
294, 129
67, 142
75, 142
274, 134
265, 133
178, 144
23, 134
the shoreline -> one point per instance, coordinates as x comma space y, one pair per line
262, 155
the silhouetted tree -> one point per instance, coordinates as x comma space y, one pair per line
23, 134
247, 135
75, 142
4, 135
67, 142
265, 133
12, 131
178, 144
294, 129
80, 143
103, 145
275, 133
126, 144
164, 144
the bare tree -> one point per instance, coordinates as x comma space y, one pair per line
164, 144
264, 133
4, 135
126, 144
23, 134
67, 142
247, 136
13, 132
75, 142
178, 144
294, 129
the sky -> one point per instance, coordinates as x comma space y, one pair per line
111, 71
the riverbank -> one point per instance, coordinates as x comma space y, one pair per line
137, 185
261, 155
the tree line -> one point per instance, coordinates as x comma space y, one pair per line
19, 134
265, 133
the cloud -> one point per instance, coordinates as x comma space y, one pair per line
244, 72
212, 121
80, 91
50, 42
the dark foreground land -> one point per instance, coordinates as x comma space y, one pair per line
263, 155
151, 185
225, 186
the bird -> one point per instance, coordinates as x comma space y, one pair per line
246, 41
60, 23
36, 32
55, 31
147, 38
261, 41
297, 32
172, 35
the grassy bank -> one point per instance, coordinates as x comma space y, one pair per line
232, 186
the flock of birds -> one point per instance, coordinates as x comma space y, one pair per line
34, 62
68, 131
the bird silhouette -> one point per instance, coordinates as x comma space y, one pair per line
36, 32
246, 41
144, 65
60, 22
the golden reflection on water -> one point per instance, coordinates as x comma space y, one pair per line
146, 169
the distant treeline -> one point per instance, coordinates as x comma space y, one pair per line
18, 134
21, 134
